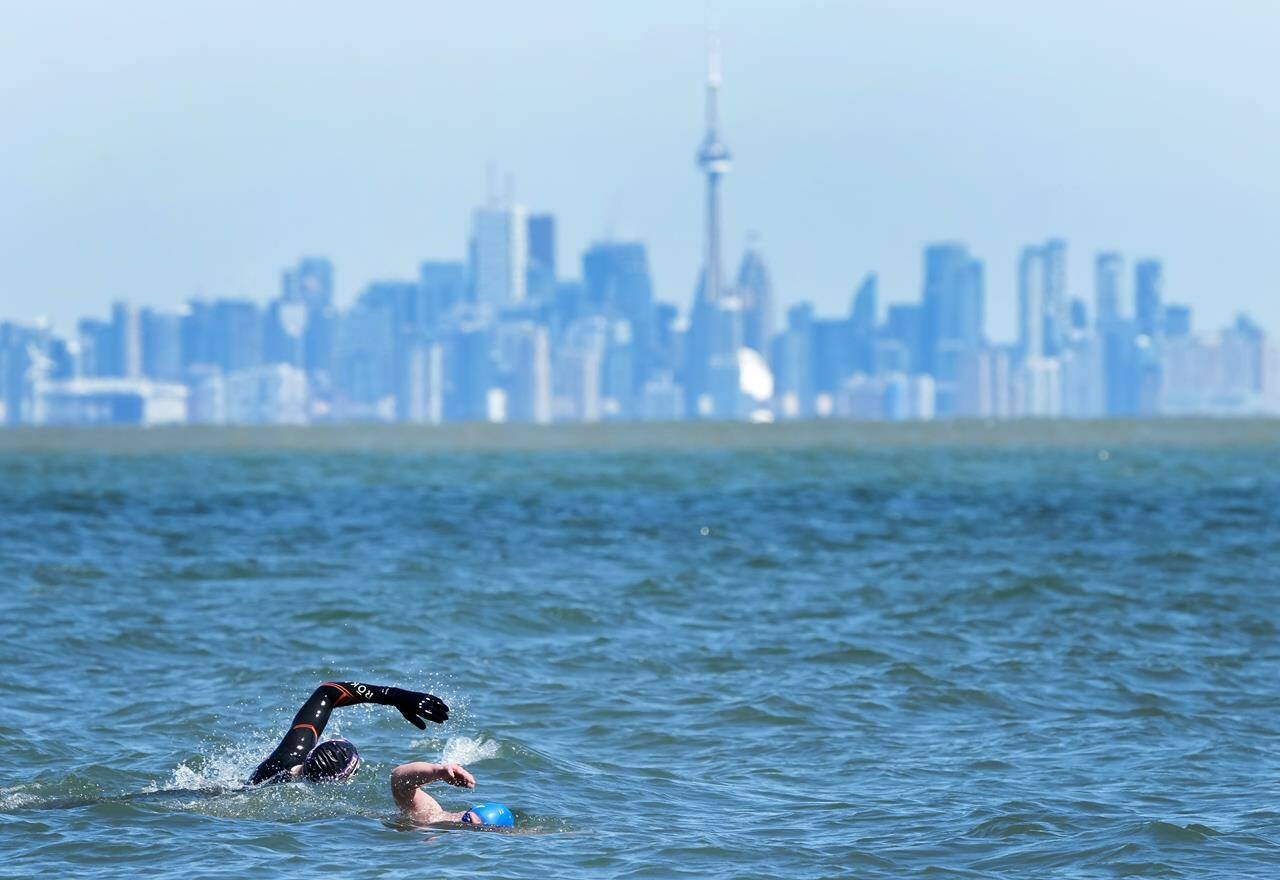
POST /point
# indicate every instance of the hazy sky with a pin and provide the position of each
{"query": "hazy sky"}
(156, 151)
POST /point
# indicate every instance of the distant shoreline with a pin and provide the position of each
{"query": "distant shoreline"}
(641, 436)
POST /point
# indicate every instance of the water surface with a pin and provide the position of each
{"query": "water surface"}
(935, 662)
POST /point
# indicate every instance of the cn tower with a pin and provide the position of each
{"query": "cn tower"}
(713, 159)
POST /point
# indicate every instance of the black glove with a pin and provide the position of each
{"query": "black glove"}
(418, 708)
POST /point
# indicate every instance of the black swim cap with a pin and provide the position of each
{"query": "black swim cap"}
(333, 760)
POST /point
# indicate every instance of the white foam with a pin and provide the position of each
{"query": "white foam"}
(464, 750)
(221, 770)
(17, 797)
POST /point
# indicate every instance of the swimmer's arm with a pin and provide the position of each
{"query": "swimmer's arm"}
(304, 732)
(406, 788)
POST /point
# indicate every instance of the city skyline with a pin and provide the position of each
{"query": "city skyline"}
(147, 204)
(501, 334)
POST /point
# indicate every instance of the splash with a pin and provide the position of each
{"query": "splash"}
(18, 796)
(465, 750)
(221, 770)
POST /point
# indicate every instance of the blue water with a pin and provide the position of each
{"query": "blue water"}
(929, 663)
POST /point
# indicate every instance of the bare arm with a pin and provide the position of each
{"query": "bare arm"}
(406, 787)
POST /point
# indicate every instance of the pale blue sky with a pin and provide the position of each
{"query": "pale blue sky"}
(154, 151)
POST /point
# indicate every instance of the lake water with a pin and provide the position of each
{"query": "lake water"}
(935, 662)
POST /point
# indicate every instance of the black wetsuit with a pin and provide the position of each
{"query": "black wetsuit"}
(309, 723)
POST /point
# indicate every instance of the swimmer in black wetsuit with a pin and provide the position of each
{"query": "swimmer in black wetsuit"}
(300, 757)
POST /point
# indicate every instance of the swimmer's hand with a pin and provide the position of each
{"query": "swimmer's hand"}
(418, 708)
(457, 776)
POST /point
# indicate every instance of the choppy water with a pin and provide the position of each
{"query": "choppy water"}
(929, 663)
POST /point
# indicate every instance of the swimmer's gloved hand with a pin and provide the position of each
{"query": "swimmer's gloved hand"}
(418, 708)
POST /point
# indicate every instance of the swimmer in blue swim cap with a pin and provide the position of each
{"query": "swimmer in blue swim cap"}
(406, 787)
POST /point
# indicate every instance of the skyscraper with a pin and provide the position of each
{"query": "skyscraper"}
(1057, 308)
(862, 326)
(126, 329)
(161, 332)
(97, 348)
(542, 244)
(1148, 296)
(499, 244)
(1031, 300)
(953, 303)
(540, 276)
(713, 159)
(1044, 309)
(311, 284)
(442, 286)
(616, 275)
(756, 292)
(1108, 276)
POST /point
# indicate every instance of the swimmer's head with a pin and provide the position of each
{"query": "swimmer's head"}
(489, 814)
(334, 760)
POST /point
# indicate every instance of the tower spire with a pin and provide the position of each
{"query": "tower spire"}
(713, 82)
(713, 159)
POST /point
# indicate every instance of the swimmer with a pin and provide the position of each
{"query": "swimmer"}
(301, 755)
(406, 788)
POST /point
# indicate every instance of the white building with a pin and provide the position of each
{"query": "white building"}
(421, 399)
(274, 394)
(110, 401)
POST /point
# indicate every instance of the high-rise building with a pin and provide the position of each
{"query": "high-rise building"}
(468, 371)
(756, 292)
(97, 348)
(1057, 305)
(1044, 308)
(529, 388)
(310, 283)
(500, 249)
(831, 359)
(862, 326)
(1031, 300)
(443, 285)
(792, 362)
(953, 308)
(905, 326)
(618, 286)
(1148, 296)
(421, 397)
(24, 363)
(1177, 321)
(616, 275)
(1079, 315)
(542, 244)
(1120, 366)
(1108, 277)
(235, 328)
(161, 344)
(127, 336)
(283, 333)
(577, 371)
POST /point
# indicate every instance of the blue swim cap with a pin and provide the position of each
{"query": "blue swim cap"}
(494, 814)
